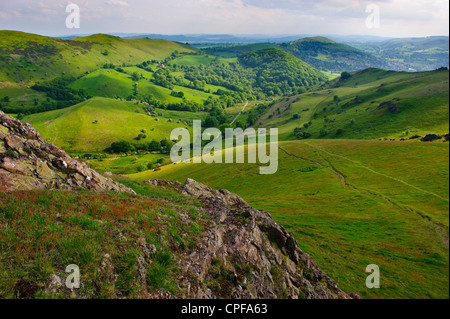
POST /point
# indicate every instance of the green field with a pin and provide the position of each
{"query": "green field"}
(421, 98)
(105, 83)
(47, 58)
(350, 204)
(126, 164)
(74, 130)
(190, 60)
(349, 190)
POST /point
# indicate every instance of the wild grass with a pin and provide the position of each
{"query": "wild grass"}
(350, 204)
(42, 232)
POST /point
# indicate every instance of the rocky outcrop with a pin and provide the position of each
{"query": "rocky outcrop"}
(28, 162)
(263, 259)
(242, 253)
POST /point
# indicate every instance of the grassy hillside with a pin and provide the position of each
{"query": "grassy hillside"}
(328, 55)
(105, 83)
(353, 203)
(321, 53)
(106, 235)
(27, 58)
(74, 129)
(359, 108)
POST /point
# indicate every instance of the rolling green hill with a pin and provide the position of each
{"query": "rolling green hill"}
(348, 193)
(328, 55)
(353, 203)
(75, 128)
(27, 58)
(321, 53)
(276, 71)
(372, 104)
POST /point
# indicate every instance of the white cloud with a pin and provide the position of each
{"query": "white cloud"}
(119, 3)
(398, 17)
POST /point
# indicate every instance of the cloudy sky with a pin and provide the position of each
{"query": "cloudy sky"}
(398, 18)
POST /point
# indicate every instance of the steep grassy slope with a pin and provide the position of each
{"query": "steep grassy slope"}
(360, 107)
(105, 83)
(111, 83)
(353, 203)
(74, 129)
(50, 230)
(29, 58)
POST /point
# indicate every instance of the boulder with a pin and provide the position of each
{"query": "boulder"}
(241, 237)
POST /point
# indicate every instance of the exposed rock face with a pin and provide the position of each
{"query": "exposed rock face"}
(242, 254)
(242, 236)
(28, 162)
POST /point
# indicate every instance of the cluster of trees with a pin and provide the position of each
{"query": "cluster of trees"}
(58, 89)
(301, 134)
(163, 146)
(59, 96)
(185, 105)
(177, 94)
(279, 73)
(257, 75)
(215, 118)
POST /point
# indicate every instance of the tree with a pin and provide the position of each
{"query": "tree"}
(166, 145)
(336, 99)
(135, 76)
(6, 99)
(345, 76)
(154, 146)
(211, 122)
(323, 132)
(296, 116)
(122, 147)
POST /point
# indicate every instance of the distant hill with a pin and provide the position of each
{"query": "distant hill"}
(325, 54)
(411, 54)
(27, 58)
(320, 52)
(274, 67)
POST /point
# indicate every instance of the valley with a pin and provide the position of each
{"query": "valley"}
(363, 147)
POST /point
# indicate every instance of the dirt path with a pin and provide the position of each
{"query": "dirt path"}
(339, 175)
(237, 116)
(342, 178)
(378, 173)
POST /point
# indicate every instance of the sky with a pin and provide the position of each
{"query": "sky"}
(397, 18)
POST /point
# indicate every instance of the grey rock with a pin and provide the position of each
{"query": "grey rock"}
(28, 162)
